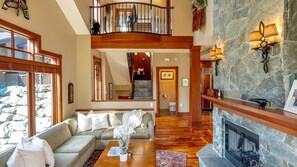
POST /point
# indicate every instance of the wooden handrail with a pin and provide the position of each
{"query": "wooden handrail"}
(275, 118)
(140, 3)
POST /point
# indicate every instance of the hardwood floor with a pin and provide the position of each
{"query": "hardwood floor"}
(174, 134)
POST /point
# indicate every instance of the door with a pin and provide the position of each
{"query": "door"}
(167, 88)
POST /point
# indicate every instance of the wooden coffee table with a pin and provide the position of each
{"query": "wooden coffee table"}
(143, 154)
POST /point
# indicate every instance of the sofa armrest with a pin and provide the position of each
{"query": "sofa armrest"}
(151, 129)
(72, 124)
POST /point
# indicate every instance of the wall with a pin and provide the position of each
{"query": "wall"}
(57, 36)
(84, 9)
(167, 87)
(241, 74)
(204, 36)
(182, 18)
(182, 60)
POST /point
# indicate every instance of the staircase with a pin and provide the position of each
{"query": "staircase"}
(143, 90)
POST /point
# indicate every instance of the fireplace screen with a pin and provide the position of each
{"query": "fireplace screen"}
(241, 146)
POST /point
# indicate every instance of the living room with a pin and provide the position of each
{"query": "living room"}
(57, 27)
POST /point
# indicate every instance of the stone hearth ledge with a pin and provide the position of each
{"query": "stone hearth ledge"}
(208, 157)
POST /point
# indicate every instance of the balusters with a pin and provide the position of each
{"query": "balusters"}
(117, 17)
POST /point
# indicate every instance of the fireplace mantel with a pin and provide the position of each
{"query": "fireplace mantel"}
(275, 118)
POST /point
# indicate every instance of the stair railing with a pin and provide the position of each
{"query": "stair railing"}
(130, 17)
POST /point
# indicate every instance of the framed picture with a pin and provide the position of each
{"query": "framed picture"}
(185, 82)
(291, 103)
(70, 93)
(167, 75)
(110, 91)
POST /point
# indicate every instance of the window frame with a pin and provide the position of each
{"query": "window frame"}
(31, 66)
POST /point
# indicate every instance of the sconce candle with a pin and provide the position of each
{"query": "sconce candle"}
(264, 40)
(216, 56)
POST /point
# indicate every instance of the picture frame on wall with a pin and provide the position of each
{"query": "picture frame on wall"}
(167, 75)
(291, 103)
(110, 85)
(185, 82)
(70, 93)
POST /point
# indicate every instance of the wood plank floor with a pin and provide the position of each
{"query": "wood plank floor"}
(174, 134)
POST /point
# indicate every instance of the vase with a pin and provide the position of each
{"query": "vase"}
(123, 157)
(123, 145)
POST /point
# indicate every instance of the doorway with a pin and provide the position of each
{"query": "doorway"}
(98, 78)
(167, 91)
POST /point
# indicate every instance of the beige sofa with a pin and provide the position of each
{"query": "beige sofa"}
(72, 149)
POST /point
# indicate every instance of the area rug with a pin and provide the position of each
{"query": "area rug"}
(93, 158)
(164, 158)
(171, 159)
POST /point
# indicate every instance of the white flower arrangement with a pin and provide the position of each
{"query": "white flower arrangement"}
(123, 134)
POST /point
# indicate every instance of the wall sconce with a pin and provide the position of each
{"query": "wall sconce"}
(216, 56)
(263, 40)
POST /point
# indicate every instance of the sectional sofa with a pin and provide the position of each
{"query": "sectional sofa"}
(72, 149)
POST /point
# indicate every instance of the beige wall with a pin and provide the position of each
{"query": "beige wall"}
(182, 18)
(182, 60)
(167, 90)
(84, 9)
(204, 37)
(57, 36)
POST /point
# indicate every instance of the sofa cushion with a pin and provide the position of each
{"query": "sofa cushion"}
(76, 144)
(115, 119)
(107, 134)
(56, 135)
(66, 159)
(72, 124)
(96, 133)
(141, 133)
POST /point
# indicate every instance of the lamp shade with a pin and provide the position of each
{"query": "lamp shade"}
(255, 36)
(270, 30)
(219, 51)
(212, 53)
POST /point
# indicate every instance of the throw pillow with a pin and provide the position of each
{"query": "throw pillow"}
(47, 150)
(84, 122)
(33, 158)
(16, 160)
(26, 154)
(99, 121)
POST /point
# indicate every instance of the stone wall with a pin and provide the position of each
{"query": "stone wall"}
(241, 74)
(277, 149)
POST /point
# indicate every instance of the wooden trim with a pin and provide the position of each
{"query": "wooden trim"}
(169, 19)
(137, 42)
(195, 80)
(182, 114)
(158, 69)
(31, 104)
(277, 119)
(113, 109)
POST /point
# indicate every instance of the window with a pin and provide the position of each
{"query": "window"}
(30, 82)
(13, 108)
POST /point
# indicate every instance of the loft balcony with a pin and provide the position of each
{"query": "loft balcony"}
(130, 17)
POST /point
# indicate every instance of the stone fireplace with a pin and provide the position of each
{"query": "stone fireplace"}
(241, 146)
(241, 142)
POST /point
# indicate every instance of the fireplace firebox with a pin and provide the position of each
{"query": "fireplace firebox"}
(241, 146)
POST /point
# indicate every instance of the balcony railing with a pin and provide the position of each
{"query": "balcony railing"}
(130, 17)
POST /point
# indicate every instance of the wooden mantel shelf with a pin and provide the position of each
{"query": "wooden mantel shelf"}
(278, 119)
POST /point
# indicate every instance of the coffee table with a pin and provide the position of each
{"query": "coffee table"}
(143, 154)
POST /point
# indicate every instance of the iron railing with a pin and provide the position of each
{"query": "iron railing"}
(130, 17)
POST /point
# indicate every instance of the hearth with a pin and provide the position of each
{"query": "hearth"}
(241, 146)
